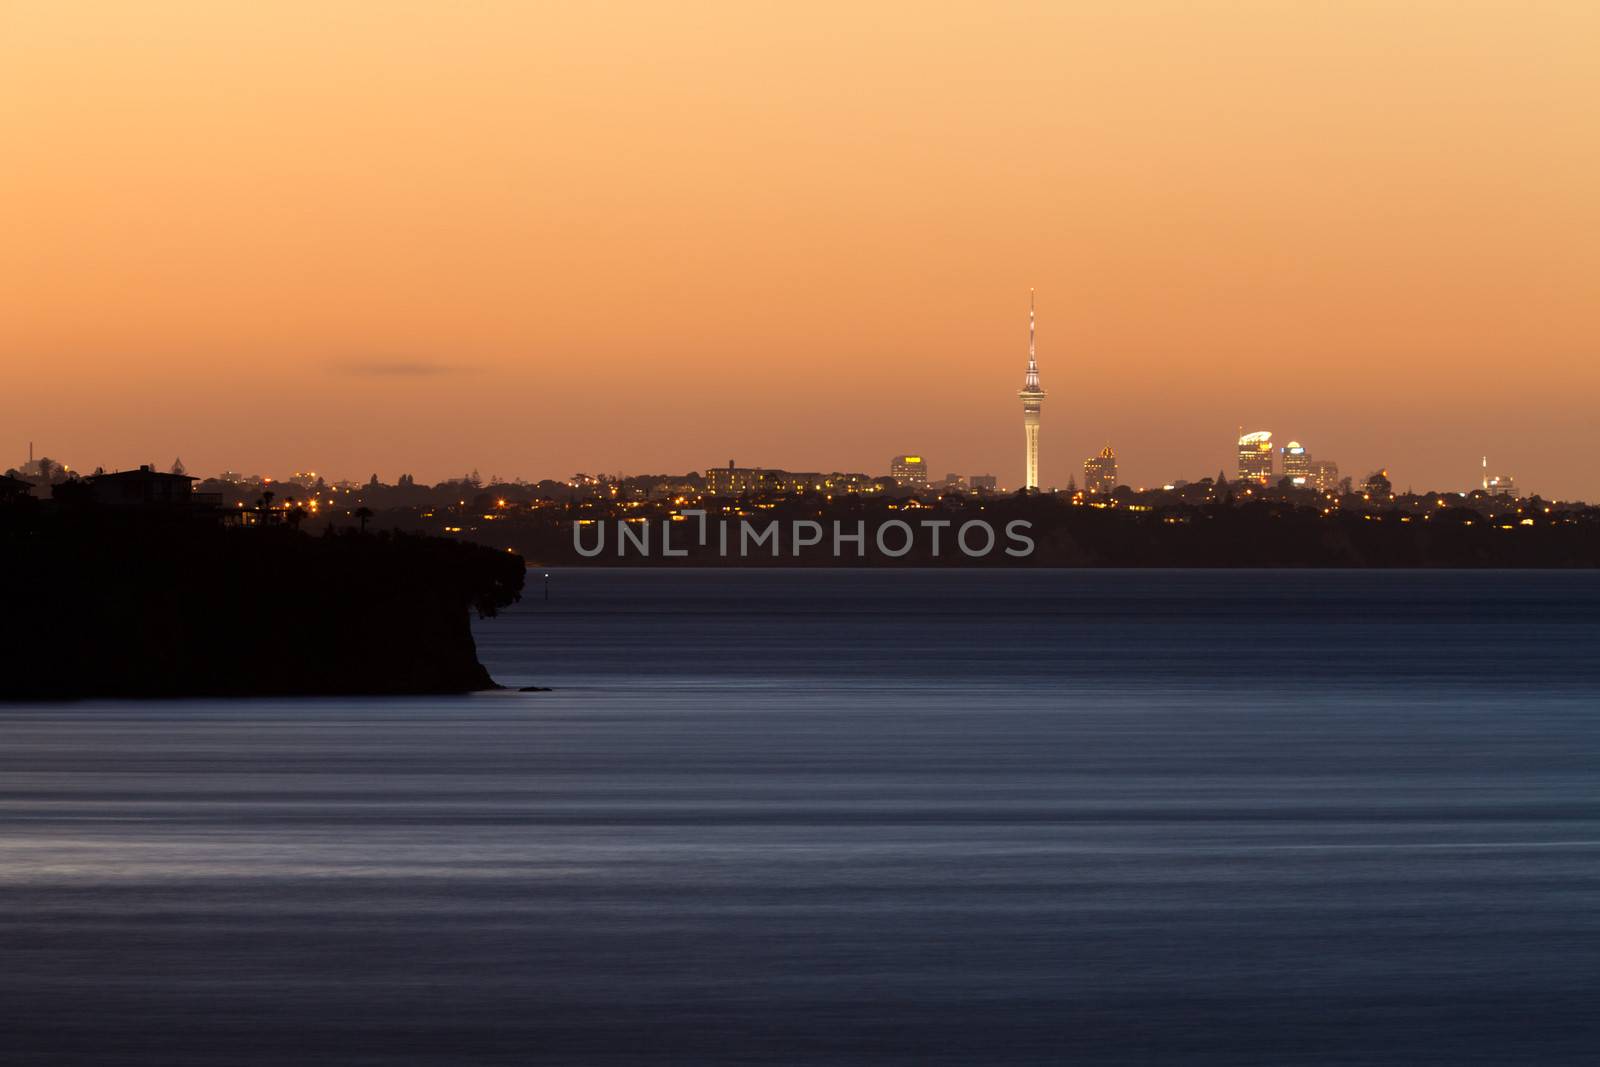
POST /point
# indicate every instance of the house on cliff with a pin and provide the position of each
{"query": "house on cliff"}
(144, 488)
(13, 490)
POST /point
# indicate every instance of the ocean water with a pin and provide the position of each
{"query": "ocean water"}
(886, 817)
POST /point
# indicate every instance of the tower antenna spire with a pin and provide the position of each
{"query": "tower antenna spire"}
(1030, 381)
(1032, 352)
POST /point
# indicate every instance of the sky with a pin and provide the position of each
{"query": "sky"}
(534, 239)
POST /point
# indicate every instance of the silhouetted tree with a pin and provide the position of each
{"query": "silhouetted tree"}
(363, 514)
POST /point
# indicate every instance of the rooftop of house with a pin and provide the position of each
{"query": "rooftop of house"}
(144, 473)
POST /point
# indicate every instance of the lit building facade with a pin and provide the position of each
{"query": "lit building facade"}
(1032, 399)
(737, 481)
(732, 481)
(1499, 484)
(909, 471)
(1100, 472)
(1324, 475)
(1255, 457)
(792, 481)
(840, 482)
(983, 483)
(1296, 463)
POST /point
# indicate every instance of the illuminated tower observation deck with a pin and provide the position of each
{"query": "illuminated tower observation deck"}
(1032, 398)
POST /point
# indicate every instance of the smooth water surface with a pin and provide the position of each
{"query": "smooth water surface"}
(849, 817)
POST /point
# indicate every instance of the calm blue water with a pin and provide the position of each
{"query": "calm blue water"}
(849, 817)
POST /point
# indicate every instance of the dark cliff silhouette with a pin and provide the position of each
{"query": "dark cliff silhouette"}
(108, 603)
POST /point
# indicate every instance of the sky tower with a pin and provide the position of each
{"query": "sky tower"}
(1031, 396)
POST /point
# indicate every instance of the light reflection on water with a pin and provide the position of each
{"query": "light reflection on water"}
(870, 817)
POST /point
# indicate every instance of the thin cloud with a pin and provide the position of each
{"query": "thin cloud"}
(400, 368)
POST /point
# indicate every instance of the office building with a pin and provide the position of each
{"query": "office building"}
(1501, 485)
(1296, 464)
(909, 471)
(733, 481)
(1255, 457)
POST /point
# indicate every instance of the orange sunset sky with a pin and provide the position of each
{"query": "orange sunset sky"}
(537, 238)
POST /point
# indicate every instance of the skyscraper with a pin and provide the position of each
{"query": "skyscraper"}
(1296, 463)
(1032, 396)
(1100, 472)
(1255, 457)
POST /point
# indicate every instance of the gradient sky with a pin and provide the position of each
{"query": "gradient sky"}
(537, 239)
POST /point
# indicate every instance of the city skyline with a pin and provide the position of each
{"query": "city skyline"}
(1257, 460)
(430, 240)
(1265, 465)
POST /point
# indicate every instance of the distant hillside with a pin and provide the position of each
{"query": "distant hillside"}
(1127, 533)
